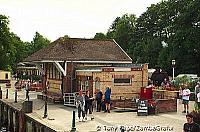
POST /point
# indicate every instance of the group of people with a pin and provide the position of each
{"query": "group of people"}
(190, 125)
(185, 93)
(166, 83)
(103, 103)
(85, 103)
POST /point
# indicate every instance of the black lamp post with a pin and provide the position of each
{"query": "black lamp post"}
(45, 103)
(7, 93)
(45, 108)
(173, 65)
(15, 95)
(0, 93)
(73, 123)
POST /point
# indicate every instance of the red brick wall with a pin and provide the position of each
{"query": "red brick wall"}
(123, 103)
(67, 84)
(44, 79)
(67, 80)
(166, 105)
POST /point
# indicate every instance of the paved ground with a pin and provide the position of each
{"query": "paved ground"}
(60, 118)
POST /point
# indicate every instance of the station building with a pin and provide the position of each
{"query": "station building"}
(72, 64)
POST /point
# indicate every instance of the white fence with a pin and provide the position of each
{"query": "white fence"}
(70, 99)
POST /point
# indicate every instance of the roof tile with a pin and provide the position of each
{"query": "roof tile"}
(73, 49)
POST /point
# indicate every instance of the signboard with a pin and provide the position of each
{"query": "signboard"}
(108, 69)
(142, 108)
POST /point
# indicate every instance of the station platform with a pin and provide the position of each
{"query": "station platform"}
(60, 117)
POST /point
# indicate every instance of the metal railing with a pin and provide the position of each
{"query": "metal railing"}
(70, 99)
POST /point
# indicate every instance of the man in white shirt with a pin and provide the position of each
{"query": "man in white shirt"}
(197, 90)
(198, 97)
(198, 101)
(186, 98)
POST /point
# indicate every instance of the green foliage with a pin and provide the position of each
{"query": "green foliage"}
(12, 49)
(176, 22)
(100, 36)
(196, 107)
(6, 47)
(180, 81)
(122, 29)
(39, 42)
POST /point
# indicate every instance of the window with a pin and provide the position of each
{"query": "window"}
(122, 80)
(86, 83)
(83, 86)
(6, 76)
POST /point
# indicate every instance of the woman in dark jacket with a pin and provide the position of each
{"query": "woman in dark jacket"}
(99, 96)
(88, 104)
(107, 99)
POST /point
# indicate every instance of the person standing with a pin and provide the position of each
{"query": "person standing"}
(15, 86)
(180, 93)
(88, 105)
(80, 101)
(107, 99)
(198, 100)
(27, 87)
(190, 126)
(99, 96)
(186, 98)
(165, 83)
(197, 90)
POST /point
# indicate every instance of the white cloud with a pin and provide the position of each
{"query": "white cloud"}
(76, 18)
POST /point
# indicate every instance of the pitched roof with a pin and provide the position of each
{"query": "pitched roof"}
(81, 50)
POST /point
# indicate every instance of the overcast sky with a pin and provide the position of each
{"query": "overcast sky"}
(76, 18)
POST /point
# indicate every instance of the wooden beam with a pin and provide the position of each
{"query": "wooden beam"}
(60, 68)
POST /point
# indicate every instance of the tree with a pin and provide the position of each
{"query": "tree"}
(12, 49)
(39, 42)
(6, 48)
(177, 22)
(121, 30)
(100, 36)
(21, 49)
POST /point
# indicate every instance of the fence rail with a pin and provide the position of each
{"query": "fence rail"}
(70, 99)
